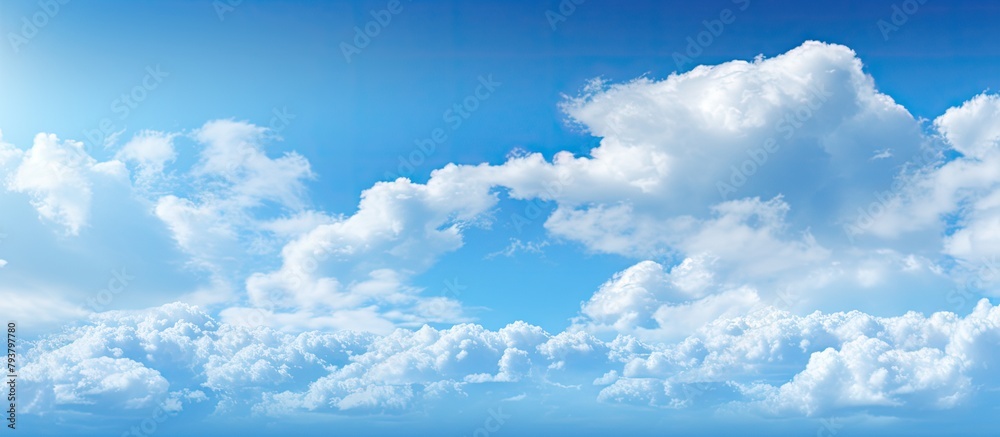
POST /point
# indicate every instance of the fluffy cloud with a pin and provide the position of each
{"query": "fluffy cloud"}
(788, 125)
(151, 151)
(232, 176)
(973, 129)
(234, 154)
(769, 361)
(868, 372)
(835, 363)
(653, 304)
(365, 259)
(59, 176)
(652, 187)
(957, 197)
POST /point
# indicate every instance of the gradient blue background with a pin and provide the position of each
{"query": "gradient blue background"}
(353, 120)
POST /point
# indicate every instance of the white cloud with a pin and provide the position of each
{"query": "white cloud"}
(868, 372)
(828, 363)
(151, 151)
(234, 153)
(653, 304)
(76, 377)
(8, 154)
(59, 177)
(233, 175)
(46, 312)
(957, 197)
(973, 129)
(298, 224)
(979, 239)
(749, 235)
(366, 259)
(638, 391)
(516, 245)
(779, 363)
(667, 145)
(206, 231)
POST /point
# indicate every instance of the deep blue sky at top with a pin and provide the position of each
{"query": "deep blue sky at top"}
(353, 120)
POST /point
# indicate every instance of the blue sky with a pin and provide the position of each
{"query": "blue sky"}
(243, 195)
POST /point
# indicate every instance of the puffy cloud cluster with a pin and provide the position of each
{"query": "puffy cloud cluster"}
(793, 125)
(825, 364)
(132, 360)
(778, 133)
(769, 361)
(654, 304)
(365, 260)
